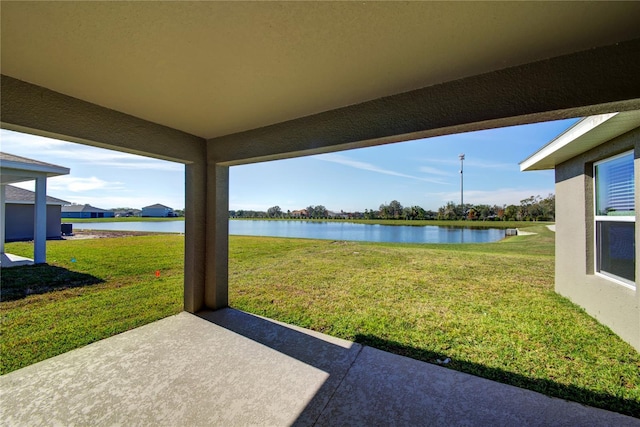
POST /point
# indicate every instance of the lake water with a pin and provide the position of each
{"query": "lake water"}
(322, 230)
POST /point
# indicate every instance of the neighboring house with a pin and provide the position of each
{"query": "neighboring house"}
(158, 210)
(126, 212)
(85, 211)
(302, 213)
(597, 162)
(20, 214)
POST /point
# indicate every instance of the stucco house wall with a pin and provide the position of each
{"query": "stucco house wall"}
(20, 218)
(613, 304)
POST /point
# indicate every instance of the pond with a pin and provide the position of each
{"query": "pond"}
(323, 230)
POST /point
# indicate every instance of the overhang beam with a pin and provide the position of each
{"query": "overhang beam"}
(39, 111)
(591, 82)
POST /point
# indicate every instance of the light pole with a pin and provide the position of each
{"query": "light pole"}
(461, 156)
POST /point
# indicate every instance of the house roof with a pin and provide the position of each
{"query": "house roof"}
(216, 68)
(581, 137)
(21, 196)
(82, 208)
(157, 206)
(19, 169)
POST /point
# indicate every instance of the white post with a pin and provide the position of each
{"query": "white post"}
(40, 222)
(2, 217)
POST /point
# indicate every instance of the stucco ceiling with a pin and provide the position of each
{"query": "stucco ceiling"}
(216, 68)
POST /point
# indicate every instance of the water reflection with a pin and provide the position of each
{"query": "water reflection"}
(324, 230)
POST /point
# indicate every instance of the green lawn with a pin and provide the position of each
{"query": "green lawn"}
(90, 290)
(490, 308)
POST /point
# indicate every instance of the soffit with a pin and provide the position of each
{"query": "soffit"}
(216, 68)
(582, 137)
(19, 169)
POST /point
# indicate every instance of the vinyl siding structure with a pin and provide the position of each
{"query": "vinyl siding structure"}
(14, 169)
(19, 211)
(597, 167)
(157, 210)
(85, 211)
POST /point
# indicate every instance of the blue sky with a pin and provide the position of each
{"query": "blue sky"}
(423, 172)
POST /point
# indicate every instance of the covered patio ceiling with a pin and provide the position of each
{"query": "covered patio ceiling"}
(217, 68)
(216, 84)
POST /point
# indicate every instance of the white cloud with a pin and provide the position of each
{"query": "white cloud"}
(356, 164)
(15, 141)
(473, 163)
(29, 145)
(435, 171)
(79, 185)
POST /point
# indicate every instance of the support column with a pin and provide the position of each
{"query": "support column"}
(206, 237)
(40, 222)
(2, 217)
(195, 235)
(217, 259)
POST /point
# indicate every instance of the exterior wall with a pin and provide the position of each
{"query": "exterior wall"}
(19, 222)
(73, 215)
(157, 212)
(88, 214)
(612, 304)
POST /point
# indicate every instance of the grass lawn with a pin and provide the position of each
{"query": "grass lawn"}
(490, 308)
(91, 289)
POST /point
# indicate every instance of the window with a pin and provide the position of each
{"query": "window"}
(615, 219)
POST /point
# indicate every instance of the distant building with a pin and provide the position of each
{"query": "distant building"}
(158, 210)
(85, 211)
(124, 213)
(302, 213)
(19, 213)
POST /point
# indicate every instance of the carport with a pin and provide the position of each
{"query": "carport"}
(15, 169)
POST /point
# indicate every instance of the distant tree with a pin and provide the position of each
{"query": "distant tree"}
(511, 213)
(384, 211)
(317, 211)
(548, 207)
(395, 209)
(320, 212)
(450, 211)
(274, 212)
(310, 211)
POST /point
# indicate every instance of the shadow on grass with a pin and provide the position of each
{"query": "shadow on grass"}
(544, 386)
(20, 282)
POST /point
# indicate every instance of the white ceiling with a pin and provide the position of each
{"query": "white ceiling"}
(216, 68)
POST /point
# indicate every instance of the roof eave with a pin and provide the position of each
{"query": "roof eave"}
(581, 137)
(49, 170)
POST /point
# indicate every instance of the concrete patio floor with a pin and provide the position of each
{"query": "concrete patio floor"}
(232, 368)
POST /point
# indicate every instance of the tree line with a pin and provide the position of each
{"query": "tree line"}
(533, 208)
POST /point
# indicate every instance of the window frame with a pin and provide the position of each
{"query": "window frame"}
(610, 218)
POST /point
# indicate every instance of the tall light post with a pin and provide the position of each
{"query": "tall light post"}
(461, 156)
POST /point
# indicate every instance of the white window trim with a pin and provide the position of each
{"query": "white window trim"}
(600, 218)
